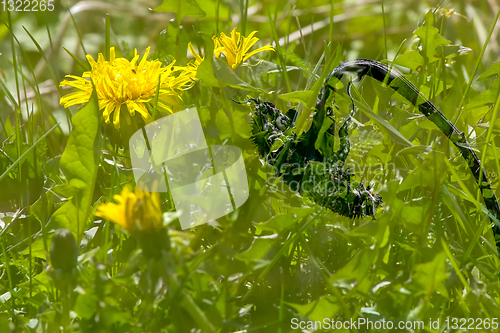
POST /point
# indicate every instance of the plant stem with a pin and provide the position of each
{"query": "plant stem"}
(462, 101)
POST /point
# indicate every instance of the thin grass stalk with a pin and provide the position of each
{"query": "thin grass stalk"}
(455, 266)
(377, 99)
(49, 66)
(488, 139)
(108, 37)
(244, 15)
(17, 111)
(9, 277)
(282, 303)
(330, 28)
(25, 154)
(35, 87)
(155, 100)
(78, 31)
(384, 25)
(465, 190)
(278, 51)
(83, 65)
(31, 135)
(50, 37)
(14, 61)
(51, 71)
(217, 8)
(478, 62)
(289, 241)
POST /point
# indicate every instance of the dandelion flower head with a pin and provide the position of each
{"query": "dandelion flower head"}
(120, 82)
(135, 211)
(236, 48)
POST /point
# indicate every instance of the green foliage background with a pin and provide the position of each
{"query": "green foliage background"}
(429, 253)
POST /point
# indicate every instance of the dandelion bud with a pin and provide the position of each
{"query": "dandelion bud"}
(64, 250)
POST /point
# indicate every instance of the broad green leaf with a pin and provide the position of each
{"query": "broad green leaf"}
(414, 215)
(227, 77)
(232, 124)
(486, 97)
(357, 269)
(79, 163)
(431, 39)
(181, 8)
(256, 70)
(425, 123)
(430, 92)
(414, 150)
(298, 62)
(41, 281)
(214, 7)
(385, 237)
(277, 145)
(277, 223)
(173, 42)
(10, 131)
(223, 124)
(205, 70)
(473, 116)
(430, 277)
(411, 59)
(325, 141)
(302, 96)
(85, 305)
(495, 124)
(258, 250)
(205, 74)
(325, 307)
(367, 229)
(493, 70)
(262, 67)
(43, 206)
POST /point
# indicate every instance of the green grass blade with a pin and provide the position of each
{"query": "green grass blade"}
(17, 111)
(84, 65)
(25, 154)
(49, 66)
(77, 32)
(9, 96)
(108, 37)
(278, 51)
(385, 33)
(478, 62)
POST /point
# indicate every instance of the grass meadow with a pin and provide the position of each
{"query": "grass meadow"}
(85, 248)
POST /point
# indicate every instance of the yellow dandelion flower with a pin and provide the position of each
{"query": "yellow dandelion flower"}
(192, 67)
(120, 82)
(135, 211)
(236, 48)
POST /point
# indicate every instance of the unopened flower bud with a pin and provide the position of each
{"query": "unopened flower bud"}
(64, 250)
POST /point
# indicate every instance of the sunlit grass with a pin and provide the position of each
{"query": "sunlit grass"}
(428, 254)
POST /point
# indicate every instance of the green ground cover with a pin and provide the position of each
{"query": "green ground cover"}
(281, 261)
